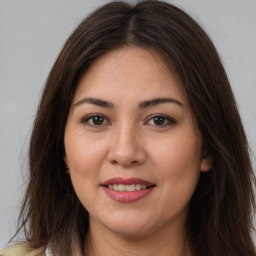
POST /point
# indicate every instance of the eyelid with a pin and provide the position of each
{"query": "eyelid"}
(171, 120)
(88, 117)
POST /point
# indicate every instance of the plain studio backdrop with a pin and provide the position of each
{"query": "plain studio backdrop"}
(32, 34)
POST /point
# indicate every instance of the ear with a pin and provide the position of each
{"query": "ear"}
(65, 160)
(206, 162)
(66, 163)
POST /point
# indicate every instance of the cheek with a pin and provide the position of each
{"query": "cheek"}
(179, 170)
(180, 157)
(85, 161)
(83, 154)
(84, 158)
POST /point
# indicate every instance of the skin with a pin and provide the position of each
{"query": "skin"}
(129, 142)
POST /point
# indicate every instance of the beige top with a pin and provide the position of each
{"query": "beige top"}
(22, 249)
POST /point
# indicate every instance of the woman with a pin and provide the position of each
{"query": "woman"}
(137, 146)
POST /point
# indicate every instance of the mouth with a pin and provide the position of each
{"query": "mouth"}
(127, 190)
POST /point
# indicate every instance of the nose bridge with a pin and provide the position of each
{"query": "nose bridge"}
(125, 137)
(126, 147)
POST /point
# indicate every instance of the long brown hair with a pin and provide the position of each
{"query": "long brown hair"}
(221, 210)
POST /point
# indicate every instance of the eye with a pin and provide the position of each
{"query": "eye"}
(161, 120)
(95, 120)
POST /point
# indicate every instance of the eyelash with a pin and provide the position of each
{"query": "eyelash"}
(161, 116)
(90, 117)
(102, 117)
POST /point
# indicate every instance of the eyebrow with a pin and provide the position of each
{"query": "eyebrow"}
(95, 101)
(143, 104)
(153, 102)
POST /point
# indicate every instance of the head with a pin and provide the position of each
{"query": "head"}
(223, 193)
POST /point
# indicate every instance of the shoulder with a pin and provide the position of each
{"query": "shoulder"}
(13, 250)
(21, 249)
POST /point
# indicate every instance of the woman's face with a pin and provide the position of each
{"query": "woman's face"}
(132, 145)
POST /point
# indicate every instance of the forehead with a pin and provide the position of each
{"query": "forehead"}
(130, 71)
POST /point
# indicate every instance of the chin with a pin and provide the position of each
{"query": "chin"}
(130, 231)
(129, 226)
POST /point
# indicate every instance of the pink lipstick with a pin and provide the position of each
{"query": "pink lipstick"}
(127, 190)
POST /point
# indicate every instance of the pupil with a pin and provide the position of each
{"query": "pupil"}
(97, 120)
(159, 120)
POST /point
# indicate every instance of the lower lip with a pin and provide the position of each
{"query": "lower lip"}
(127, 197)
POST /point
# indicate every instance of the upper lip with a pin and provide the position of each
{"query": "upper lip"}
(127, 181)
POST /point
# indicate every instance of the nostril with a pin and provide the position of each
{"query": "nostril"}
(114, 162)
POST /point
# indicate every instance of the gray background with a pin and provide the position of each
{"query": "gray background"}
(33, 32)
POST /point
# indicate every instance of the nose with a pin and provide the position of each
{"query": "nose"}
(127, 149)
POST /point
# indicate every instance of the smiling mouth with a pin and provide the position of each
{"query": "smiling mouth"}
(128, 188)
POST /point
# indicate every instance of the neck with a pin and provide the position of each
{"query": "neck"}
(168, 241)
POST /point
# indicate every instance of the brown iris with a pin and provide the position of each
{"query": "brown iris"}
(159, 120)
(98, 120)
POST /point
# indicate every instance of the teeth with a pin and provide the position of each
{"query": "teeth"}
(130, 188)
(138, 187)
(121, 187)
